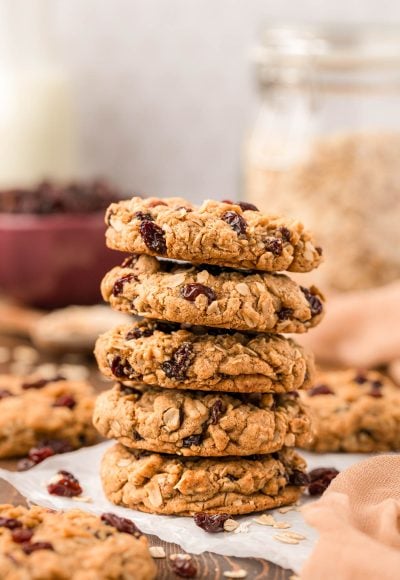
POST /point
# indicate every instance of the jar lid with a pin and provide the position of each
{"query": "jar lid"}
(329, 46)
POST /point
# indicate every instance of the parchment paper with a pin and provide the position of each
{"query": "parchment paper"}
(257, 542)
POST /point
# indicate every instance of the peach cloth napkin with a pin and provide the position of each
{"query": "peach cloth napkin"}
(360, 328)
(358, 519)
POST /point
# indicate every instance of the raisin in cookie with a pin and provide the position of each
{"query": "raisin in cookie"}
(193, 423)
(355, 412)
(229, 234)
(157, 353)
(40, 544)
(34, 409)
(212, 296)
(165, 484)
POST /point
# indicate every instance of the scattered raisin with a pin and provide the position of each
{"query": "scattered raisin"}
(285, 313)
(375, 392)
(192, 440)
(120, 283)
(66, 486)
(39, 454)
(24, 464)
(320, 390)
(29, 547)
(21, 535)
(121, 524)
(320, 479)
(236, 222)
(247, 206)
(314, 302)
(153, 236)
(242, 204)
(191, 291)
(177, 366)
(10, 523)
(183, 565)
(121, 369)
(57, 445)
(285, 233)
(217, 410)
(141, 215)
(274, 245)
(4, 393)
(360, 379)
(377, 384)
(211, 523)
(44, 449)
(136, 333)
(40, 383)
(318, 249)
(298, 478)
(65, 401)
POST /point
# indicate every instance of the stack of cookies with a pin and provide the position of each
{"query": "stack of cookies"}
(205, 409)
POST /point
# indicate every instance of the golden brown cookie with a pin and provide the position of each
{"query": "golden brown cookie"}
(157, 353)
(41, 544)
(229, 234)
(165, 484)
(353, 411)
(34, 409)
(193, 423)
(212, 296)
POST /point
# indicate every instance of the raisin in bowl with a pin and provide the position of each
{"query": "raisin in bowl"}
(52, 250)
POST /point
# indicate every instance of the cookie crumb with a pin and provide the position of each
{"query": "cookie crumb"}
(285, 539)
(83, 499)
(286, 509)
(242, 528)
(295, 535)
(265, 520)
(282, 525)
(230, 525)
(157, 551)
(241, 573)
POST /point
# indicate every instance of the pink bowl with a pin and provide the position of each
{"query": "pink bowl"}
(54, 260)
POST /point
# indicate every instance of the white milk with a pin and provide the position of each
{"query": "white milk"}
(37, 122)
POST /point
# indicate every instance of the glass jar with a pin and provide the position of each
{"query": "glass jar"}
(325, 148)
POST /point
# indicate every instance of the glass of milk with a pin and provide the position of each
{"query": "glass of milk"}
(38, 135)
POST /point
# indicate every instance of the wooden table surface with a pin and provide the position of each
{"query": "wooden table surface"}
(210, 566)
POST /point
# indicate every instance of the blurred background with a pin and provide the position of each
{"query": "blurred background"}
(291, 105)
(164, 91)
